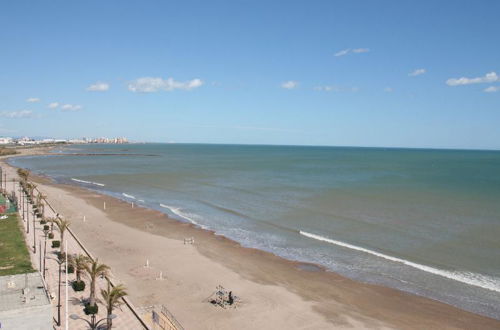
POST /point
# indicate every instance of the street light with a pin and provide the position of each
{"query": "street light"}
(60, 262)
(45, 231)
(92, 323)
(34, 234)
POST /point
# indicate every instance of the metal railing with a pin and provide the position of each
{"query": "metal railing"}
(173, 323)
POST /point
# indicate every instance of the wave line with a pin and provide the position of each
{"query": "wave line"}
(470, 278)
(177, 211)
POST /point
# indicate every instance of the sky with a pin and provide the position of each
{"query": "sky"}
(340, 73)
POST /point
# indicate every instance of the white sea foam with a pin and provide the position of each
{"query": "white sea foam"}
(89, 182)
(475, 279)
(128, 196)
(82, 181)
(177, 211)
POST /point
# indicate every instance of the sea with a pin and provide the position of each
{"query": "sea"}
(419, 220)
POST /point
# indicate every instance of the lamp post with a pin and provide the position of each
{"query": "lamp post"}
(34, 233)
(45, 231)
(92, 323)
(27, 216)
(40, 255)
(59, 262)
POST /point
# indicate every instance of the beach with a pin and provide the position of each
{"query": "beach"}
(274, 293)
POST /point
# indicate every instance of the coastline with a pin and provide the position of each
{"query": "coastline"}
(285, 292)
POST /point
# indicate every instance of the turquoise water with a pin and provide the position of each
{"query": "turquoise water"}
(423, 221)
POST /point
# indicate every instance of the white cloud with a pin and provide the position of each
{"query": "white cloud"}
(17, 114)
(70, 107)
(290, 84)
(32, 100)
(492, 89)
(53, 105)
(388, 89)
(342, 52)
(417, 72)
(336, 89)
(487, 78)
(150, 84)
(98, 87)
(354, 51)
(360, 50)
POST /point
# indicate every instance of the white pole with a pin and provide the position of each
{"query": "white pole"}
(104, 205)
(83, 218)
(66, 300)
(132, 204)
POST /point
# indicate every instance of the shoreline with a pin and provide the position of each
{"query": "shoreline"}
(323, 297)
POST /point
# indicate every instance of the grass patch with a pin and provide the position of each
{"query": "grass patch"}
(14, 255)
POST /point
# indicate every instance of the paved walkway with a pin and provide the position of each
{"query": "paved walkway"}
(125, 318)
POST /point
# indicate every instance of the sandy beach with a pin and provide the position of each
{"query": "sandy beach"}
(275, 293)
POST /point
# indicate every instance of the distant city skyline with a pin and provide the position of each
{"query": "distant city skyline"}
(339, 73)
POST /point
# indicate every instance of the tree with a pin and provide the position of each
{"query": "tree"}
(112, 298)
(62, 225)
(31, 189)
(39, 203)
(23, 174)
(93, 270)
(52, 222)
(79, 262)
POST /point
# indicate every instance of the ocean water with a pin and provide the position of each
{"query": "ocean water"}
(423, 221)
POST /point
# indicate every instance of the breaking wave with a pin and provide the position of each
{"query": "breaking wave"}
(475, 279)
(89, 182)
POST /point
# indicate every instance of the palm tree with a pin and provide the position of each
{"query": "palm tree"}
(93, 270)
(31, 189)
(23, 174)
(62, 225)
(39, 202)
(52, 221)
(79, 262)
(112, 298)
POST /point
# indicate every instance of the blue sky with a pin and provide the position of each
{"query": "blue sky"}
(357, 73)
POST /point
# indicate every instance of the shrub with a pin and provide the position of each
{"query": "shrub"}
(42, 222)
(71, 269)
(51, 236)
(55, 244)
(61, 255)
(91, 309)
(46, 227)
(78, 286)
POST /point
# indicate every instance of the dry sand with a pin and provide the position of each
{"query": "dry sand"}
(275, 293)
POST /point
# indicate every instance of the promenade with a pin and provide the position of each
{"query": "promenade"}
(43, 255)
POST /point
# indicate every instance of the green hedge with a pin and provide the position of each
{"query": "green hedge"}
(78, 286)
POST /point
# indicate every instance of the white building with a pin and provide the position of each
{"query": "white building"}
(6, 140)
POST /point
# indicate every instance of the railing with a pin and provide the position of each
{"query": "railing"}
(173, 323)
